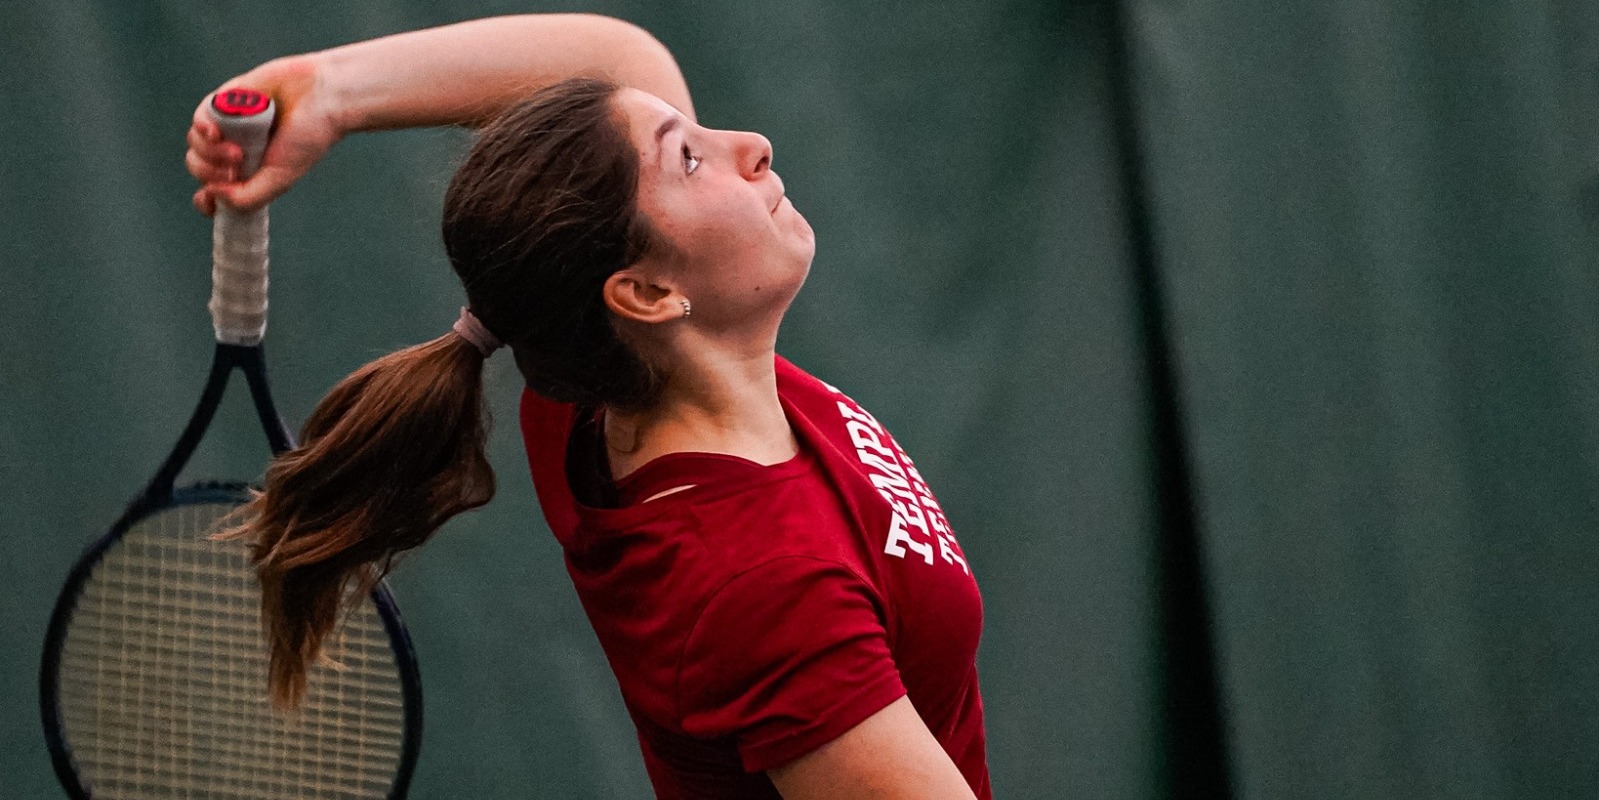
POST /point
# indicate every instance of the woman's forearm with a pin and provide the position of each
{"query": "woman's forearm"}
(460, 74)
(467, 72)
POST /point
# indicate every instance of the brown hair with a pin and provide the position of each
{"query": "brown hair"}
(542, 211)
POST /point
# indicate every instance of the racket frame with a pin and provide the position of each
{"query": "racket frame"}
(160, 495)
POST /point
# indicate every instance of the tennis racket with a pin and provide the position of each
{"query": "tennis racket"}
(153, 682)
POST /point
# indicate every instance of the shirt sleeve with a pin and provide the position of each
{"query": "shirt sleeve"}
(785, 658)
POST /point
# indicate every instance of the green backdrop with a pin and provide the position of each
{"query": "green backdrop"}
(1251, 347)
(1379, 229)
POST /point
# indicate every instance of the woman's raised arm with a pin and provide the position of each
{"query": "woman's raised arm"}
(451, 75)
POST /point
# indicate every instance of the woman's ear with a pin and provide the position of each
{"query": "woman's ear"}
(630, 294)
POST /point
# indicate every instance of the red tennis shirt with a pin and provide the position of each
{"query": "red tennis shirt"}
(768, 609)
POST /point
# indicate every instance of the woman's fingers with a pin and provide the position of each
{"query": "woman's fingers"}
(211, 161)
(205, 202)
(210, 145)
(206, 171)
(263, 187)
(216, 164)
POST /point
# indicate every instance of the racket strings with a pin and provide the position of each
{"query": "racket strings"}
(163, 680)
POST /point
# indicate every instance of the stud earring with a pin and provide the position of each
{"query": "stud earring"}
(687, 309)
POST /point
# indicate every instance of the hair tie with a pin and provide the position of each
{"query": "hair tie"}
(470, 328)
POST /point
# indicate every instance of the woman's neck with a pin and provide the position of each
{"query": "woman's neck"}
(710, 405)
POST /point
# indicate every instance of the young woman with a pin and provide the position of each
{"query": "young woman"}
(782, 601)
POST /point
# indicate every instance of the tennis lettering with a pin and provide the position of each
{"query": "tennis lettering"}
(918, 524)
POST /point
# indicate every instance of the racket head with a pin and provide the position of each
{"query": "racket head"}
(153, 680)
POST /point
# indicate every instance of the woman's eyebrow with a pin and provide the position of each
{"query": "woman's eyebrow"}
(660, 133)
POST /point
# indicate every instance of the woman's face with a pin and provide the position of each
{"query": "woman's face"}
(737, 248)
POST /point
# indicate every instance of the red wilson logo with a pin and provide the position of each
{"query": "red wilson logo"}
(240, 102)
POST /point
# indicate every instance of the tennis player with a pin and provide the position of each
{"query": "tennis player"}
(783, 603)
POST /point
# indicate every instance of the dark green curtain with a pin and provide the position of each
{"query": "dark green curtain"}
(1376, 226)
(1236, 339)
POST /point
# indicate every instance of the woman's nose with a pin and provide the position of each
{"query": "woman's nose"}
(754, 154)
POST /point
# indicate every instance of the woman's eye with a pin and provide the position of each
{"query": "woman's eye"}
(691, 162)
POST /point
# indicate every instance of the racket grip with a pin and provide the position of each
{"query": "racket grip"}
(238, 238)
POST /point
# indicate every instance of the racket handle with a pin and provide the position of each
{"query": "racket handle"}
(239, 239)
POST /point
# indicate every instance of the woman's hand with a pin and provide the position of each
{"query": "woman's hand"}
(307, 126)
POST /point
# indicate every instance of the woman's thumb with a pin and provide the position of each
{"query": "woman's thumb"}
(263, 187)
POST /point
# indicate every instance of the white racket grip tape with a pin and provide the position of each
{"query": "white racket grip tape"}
(238, 238)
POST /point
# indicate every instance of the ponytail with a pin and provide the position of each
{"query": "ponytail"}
(390, 454)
